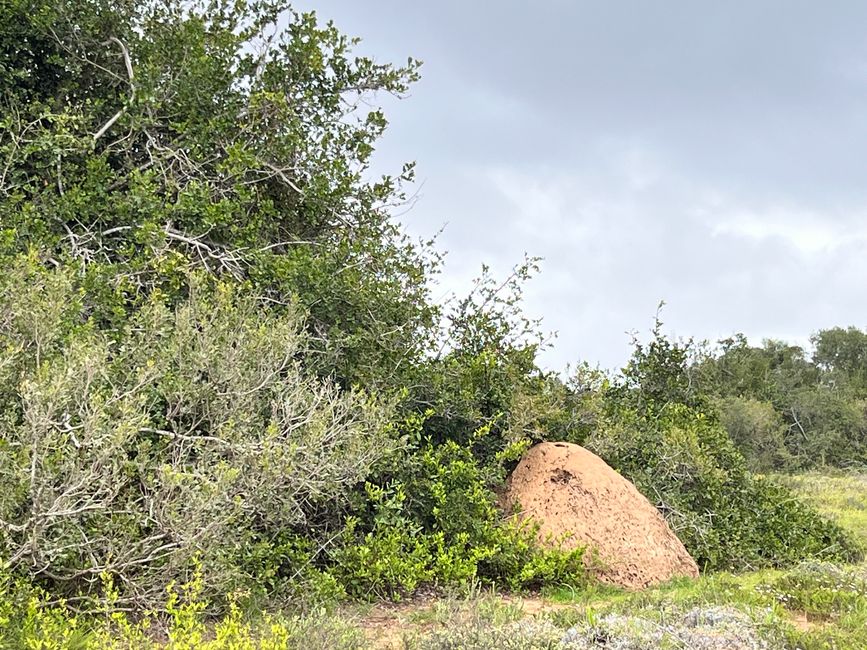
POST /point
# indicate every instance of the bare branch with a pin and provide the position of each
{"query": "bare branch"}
(128, 62)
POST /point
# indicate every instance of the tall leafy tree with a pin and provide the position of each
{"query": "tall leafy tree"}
(843, 353)
(142, 139)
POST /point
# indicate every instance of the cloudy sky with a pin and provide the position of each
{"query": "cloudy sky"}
(709, 154)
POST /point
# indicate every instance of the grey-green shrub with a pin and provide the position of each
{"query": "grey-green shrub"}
(757, 430)
(130, 453)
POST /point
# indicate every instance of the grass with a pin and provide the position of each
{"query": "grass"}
(842, 496)
(814, 605)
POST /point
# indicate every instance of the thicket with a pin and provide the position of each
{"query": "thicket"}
(670, 440)
(788, 408)
(218, 349)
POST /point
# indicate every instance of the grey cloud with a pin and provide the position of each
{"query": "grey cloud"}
(709, 154)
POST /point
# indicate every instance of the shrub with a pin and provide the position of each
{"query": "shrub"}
(666, 437)
(828, 427)
(822, 589)
(438, 522)
(187, 433)
(30, 619)
(757, 430)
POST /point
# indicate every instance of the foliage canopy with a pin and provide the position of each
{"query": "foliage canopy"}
(218, 348)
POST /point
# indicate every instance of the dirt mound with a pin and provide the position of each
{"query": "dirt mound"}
(570, 490)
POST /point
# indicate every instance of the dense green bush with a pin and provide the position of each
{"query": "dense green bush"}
(666, 437)
(821, 400)
(437, 522)
(829, 427)
(758, 431)
(684, 462)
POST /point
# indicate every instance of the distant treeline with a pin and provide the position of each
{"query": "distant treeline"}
(787, 408)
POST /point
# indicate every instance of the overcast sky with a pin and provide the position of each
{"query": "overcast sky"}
(709, 154)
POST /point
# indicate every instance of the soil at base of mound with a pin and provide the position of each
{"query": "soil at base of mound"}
(579, 500)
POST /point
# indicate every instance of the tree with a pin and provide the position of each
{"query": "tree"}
(770, 372)
(843, 353)
(140, 140)
(819, 399)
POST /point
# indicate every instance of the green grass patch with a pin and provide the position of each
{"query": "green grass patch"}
(841, 496)
(810, 606)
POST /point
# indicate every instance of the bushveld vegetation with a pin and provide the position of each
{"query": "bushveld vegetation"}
(788, 408)
(811, 606)
(223, 381)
